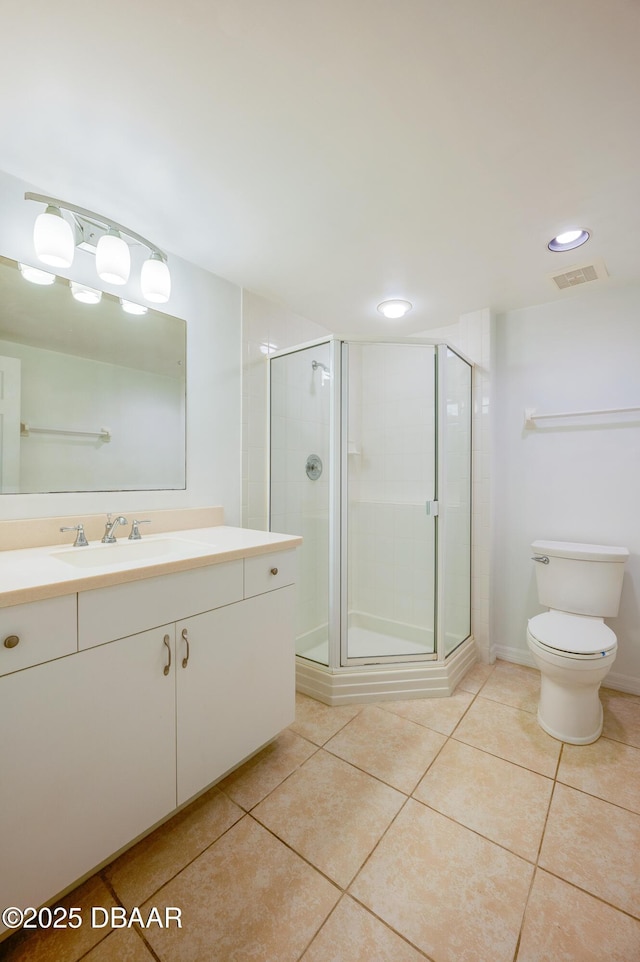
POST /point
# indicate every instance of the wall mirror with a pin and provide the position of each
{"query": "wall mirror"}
(91, 398)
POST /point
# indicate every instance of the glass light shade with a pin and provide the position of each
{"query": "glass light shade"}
(53, 238)
(84, 294)
(155, 280)
(113, 259)
(131, 308)
(35, 275)
(394, 308)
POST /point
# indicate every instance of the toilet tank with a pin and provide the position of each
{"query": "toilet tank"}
(582, 578)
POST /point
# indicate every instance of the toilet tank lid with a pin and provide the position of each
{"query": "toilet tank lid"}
(582, 552)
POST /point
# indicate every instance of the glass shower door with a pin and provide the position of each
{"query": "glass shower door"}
(389, 550)
(301, 437)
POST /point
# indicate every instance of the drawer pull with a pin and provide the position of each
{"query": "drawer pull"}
(185, 638)
(167, 667)
(274, 571)
(11, 641)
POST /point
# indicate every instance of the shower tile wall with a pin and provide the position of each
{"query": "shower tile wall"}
(391, 468)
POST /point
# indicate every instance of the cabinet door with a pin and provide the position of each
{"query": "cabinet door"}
(237, 690)
(87, 762)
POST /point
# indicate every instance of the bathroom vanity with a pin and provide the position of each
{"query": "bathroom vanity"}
(127, 687)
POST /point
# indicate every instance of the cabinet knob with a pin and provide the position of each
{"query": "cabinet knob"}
(274, 571)
(11, 641)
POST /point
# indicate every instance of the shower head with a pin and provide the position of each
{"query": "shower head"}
(318, 364)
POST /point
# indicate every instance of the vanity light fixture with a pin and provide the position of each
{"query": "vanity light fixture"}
(131, 308)
(35, 275)
(55, 239)
(569, 239)
(84, 294)
(395, 308)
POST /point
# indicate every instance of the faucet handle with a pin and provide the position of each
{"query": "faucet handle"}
(81, 540)
(135, 534)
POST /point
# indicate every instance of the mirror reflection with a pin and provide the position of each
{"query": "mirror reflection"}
(91, 398)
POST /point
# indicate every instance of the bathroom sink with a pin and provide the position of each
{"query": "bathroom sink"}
(124, 552)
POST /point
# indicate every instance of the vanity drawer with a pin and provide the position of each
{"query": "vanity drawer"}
(45, 630)
(266, 572)
(105, 614)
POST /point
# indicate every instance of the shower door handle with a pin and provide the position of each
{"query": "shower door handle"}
(433, 508)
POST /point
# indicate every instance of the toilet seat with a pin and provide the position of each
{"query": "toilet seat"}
(577, 636)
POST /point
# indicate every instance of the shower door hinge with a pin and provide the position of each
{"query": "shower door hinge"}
(433, 508)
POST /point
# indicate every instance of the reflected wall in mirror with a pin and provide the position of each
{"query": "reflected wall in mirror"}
(91, 398)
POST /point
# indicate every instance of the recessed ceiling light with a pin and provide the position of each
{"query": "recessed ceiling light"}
(394, 308)
(568, 239)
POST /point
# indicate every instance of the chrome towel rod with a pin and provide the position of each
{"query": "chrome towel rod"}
(26, 429)
(530, 416)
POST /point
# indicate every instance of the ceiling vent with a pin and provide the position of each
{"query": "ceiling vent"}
(579, 274)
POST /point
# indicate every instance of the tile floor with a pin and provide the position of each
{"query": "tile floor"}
(452, 830)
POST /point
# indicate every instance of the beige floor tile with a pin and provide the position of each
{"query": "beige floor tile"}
(392, 748)
(562, 924)
(248, 897)
(125, 945)
(440, 714)
(514, 685)
(621, 716)
(504, 802)
(476, 677)
(62, 945)
(595, 846)
(250, 783)
(351, 934)
(331, 813)
(319, 722)
(456, 896)
(606, 768)
(143, 869)
(510, 733)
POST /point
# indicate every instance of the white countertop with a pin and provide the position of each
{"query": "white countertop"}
(31, 574)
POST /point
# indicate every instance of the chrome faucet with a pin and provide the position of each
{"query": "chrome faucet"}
(135, 531)
(81, 540)
(109, 537)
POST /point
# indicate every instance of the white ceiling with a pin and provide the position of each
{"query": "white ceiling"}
(332, 153)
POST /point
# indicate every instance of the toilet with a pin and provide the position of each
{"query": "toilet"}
(581, 585)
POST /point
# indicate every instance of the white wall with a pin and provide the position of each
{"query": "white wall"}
(212, 309)
(568, 480)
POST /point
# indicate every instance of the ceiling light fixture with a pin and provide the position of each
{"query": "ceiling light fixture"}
(35, 275)
(394, 308)
(84, 294)
(569, 239)
(55, 239)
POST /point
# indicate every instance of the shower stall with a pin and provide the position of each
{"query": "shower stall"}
(370, 461)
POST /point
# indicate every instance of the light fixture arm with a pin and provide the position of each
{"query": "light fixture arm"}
(91, 215)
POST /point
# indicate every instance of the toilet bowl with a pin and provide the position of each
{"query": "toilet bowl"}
(571, 675)
(572, 647)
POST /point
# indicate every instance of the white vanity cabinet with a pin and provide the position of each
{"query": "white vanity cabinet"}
(166, 684)
(235, 685)
(87, 762)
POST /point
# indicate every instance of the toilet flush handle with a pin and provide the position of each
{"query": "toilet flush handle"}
(542, 558)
